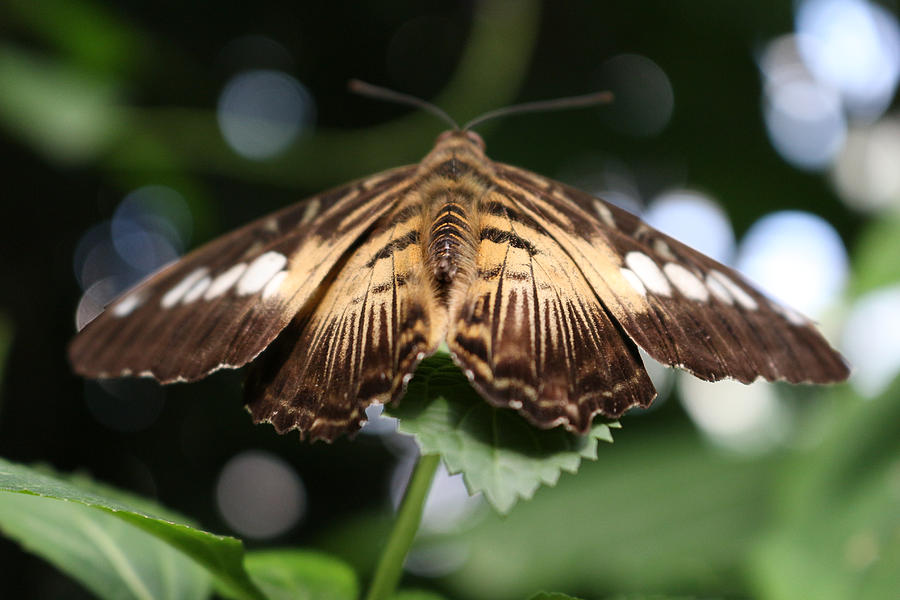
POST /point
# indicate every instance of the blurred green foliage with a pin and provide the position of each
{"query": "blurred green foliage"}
(875, 257)
(287, 574)
(836, 533)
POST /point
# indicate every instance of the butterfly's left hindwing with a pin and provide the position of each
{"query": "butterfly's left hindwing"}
(221, 305)
(532, 335)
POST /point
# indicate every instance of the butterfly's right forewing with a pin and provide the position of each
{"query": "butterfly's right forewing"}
(221, 305)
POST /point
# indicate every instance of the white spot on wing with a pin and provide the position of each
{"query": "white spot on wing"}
(223, 282)
(274, 284)
(649, 273)
(790, 314)
(604, 213)
(260, 272)
(662, 248)
(175, 294)
(196, 290)
(718, 290)
(633, 280)
(686, 282)
(126, 305)
(736, 291)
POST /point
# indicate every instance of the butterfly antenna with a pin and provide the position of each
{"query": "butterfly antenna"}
(379, 93)
(543, 105)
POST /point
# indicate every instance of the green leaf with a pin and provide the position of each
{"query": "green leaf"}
(498, 452)
(104, 553)
(552, 596)
(26, 491)
(838, 532)
(658, 511)
(301, 575)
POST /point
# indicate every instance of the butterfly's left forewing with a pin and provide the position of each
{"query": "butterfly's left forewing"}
(532, 335)
(682, 307)
(221, 305)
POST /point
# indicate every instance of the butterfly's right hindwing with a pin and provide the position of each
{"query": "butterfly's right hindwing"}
(360, 342)
(222, 304)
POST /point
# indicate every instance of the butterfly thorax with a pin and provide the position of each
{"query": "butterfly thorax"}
(455, 176)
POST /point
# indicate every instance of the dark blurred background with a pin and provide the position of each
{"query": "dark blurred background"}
(763, 133)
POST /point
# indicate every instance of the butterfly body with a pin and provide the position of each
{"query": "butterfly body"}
(542, 294)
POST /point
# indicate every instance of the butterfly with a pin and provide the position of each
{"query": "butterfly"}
(542, 294)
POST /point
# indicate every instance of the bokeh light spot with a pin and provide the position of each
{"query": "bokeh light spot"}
(262, 112)
(804, 118)
(448, 505)
(663, 379)
(871, 340)
(866, 173)
(805, 123)
(695, 219)
(644, 100)
(797, 258)
(95, 256)
(743, 418)
(854, 47)
(151, 227)
(260, 495)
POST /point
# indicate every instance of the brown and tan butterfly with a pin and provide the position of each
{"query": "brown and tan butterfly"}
(542, 293)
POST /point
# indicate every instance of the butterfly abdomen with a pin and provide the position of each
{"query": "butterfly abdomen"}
(449, 237)
(451, 240)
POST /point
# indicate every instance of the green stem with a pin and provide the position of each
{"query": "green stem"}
(390, 567)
